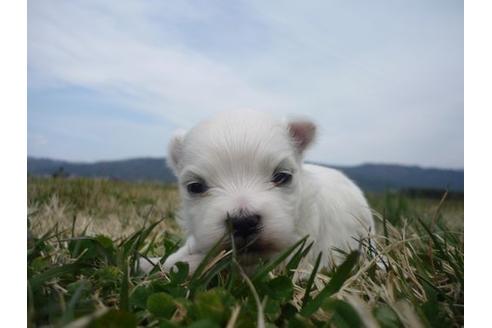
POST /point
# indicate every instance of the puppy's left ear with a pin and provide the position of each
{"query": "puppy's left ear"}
(302, 133)
(175, 151)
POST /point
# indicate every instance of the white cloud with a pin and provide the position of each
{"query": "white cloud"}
(97, 47)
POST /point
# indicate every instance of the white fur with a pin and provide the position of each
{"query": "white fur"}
(236, 154)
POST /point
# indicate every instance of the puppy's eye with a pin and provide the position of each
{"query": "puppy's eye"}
(281, 178)
(196, 188)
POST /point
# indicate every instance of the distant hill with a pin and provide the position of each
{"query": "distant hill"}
(371, 177)
(138, 169)
(379, 177)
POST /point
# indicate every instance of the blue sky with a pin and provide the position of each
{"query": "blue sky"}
(114, 79)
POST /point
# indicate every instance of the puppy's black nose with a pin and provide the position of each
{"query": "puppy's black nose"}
(245, 225)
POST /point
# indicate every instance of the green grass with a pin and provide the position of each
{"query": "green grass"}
(86, 235)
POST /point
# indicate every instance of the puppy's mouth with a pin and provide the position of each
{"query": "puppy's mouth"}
(252, 244)
(248, 244)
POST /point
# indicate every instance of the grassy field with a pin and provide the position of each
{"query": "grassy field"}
(85, 236)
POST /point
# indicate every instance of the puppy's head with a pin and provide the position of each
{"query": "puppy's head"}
(241, 171)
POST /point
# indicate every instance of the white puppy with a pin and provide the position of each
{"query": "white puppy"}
(244, 171)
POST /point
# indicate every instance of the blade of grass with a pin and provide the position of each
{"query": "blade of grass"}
(39, 279)
(310, 282)
(261, 316)
(214, 251)
(124, 304)
(218, 267)
(445, 256)
(69, 314)
(336, 282)
(74, 220)
(297, 258)
(262, 272)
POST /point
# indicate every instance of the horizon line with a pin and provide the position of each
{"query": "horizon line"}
(307, 162)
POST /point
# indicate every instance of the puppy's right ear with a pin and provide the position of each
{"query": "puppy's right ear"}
(175, 151)
(302, 132)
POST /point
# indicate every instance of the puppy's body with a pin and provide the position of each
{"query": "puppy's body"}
(247, 168)
(337, 215)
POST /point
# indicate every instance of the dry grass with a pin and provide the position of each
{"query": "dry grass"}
(96, 206)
